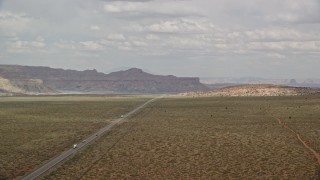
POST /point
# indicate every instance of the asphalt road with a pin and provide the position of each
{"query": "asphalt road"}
(82, 144)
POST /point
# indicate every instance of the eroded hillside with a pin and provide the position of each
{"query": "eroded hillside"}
(257, 90)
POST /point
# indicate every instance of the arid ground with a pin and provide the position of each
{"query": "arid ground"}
(206, 138)
(35, 129)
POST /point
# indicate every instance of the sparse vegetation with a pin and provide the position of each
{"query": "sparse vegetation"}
(35, 129)
(192, 138)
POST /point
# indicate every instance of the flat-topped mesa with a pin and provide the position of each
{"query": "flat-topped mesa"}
(89, 81)
(133, 73)
(46, 73)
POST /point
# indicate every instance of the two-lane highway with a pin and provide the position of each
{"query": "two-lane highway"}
(82, 144)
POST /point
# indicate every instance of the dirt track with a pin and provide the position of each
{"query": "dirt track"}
(316, 155)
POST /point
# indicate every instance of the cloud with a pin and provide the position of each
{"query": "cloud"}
(95, 28)
(297, 12)
(90, 46)
(128, 0)
(116, 37)
(20, 46)
(124, 7)
(180, 26)
(166, 32)
(152, 37)
(149, 9)
(291, 46)
(14, 22)
(276, 55)
(278, 34)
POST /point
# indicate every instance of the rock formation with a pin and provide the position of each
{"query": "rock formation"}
(33, 80)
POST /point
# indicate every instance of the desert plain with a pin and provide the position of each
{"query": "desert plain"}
(171, 138)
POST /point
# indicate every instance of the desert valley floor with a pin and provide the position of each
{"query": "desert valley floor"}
(171, 138)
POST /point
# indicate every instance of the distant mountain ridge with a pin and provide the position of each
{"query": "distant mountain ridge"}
(225, 82)
(16, 79)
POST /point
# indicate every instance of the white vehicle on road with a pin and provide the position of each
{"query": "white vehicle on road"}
(50, 164)
(122, 116)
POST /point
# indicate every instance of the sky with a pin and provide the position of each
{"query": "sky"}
(202, 38)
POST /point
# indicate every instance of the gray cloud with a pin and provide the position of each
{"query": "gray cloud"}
(128, 0)
(194, 37)
(135, 10)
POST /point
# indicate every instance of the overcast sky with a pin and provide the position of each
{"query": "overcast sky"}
(204, 38)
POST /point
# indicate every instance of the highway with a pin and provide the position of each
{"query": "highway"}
(83, 143)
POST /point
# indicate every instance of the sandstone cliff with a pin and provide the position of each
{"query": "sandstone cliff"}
(23, 86)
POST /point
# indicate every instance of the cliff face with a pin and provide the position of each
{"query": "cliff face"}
(134, 80)
(23, 86)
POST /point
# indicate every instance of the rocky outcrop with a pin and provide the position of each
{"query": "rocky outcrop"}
(23, 86)
(257, 90)
(6, 86)
(46, 80)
